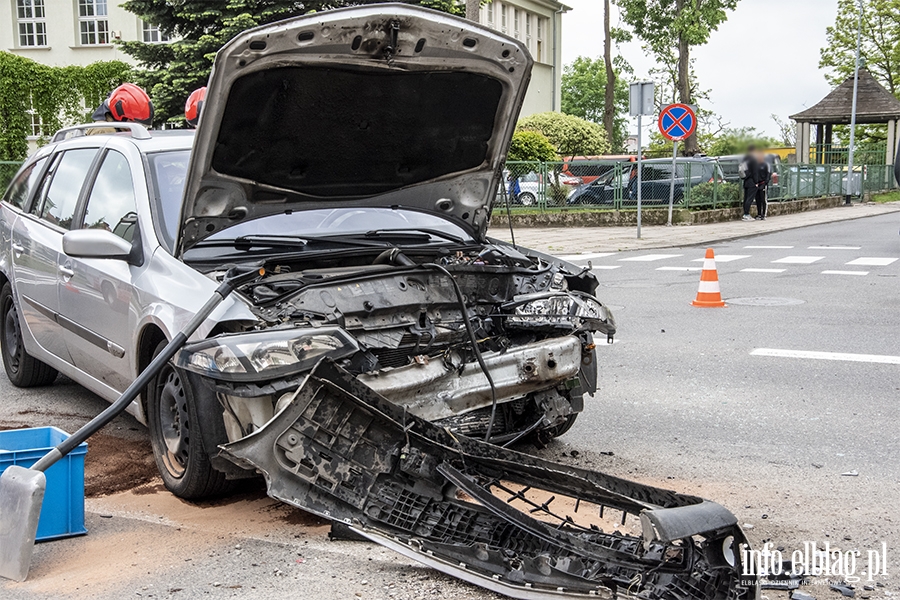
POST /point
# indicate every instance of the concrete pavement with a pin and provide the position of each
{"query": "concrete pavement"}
(613, 239)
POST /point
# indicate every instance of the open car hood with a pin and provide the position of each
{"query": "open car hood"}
(387, 105)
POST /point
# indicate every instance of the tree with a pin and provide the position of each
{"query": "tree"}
(680, 24)
(736, 141)
(609, 90)
(531, 146)
(170, 72)
(571, 136)
(583, 88)
(880, 48)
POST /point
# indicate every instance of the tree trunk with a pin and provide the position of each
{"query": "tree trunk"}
(609, 109)
(684, 81)
(473, 7)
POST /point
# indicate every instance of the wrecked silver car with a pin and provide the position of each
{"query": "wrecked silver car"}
(388, 348)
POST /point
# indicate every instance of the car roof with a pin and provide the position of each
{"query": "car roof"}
(146, 140)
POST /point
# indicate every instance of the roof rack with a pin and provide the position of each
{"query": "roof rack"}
(138, 131)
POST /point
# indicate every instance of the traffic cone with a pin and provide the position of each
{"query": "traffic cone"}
(709, 296)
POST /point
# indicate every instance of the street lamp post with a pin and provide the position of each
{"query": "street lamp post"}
(853, 110)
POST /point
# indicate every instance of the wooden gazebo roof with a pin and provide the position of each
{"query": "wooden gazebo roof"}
(874, 104)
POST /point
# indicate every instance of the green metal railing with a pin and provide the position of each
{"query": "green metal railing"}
(699, 185)
(835, 154)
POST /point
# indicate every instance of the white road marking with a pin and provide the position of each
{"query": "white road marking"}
(679, 268)
(588, 256)
(845, 272)
(725, 258)
(763, 270)
(798, 260)
(605, 267)
(869, 358)
(833, 248)
(649, 257)
(871, 261)
(768, 247)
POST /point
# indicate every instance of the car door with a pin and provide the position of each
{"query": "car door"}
(37, 246)
(96, 294)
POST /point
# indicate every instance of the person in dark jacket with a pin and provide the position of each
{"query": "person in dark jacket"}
(762, 188)
(750, 166)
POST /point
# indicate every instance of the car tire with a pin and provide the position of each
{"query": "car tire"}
(526, 199)
(22, 369)
(177, 439)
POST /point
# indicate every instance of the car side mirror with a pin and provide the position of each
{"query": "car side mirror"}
(95, 243)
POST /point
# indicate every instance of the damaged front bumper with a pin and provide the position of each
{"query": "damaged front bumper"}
(503, 520)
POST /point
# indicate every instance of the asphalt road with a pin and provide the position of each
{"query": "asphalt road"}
(683, 403)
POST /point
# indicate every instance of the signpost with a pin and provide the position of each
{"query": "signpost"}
(641, 102)
(676, 122)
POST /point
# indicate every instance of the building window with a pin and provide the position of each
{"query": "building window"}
(503, 18)
(37, 125)
(516, 23)
(152, 34)
(490, 14)
(528, 30)
(539, 51)
(92, 22)
(32, 28)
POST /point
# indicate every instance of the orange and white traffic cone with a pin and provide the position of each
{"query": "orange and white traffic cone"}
(709, 296)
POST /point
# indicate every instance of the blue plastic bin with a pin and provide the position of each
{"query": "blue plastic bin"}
(62, 514)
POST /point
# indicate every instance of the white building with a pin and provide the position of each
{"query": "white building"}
(70, 32)
(79, 32)
(538, 23)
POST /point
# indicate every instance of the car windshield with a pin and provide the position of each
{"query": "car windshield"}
(169, 169)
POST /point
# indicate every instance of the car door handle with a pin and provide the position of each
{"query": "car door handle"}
(18, 249)
(67, 272)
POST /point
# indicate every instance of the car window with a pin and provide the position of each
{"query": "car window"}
(168, 171)
(111, 204)
(20, 189)
(58, 198)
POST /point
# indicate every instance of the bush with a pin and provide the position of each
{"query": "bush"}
(531, 146)
(724, 194)
(570, 135)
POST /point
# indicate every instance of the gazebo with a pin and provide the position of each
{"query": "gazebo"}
(874, 105)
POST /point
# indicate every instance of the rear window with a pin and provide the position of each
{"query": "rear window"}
(21, 187)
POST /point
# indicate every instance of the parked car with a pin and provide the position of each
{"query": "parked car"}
(112, 242)
(587, 169)
(532, 188)
(656, 179)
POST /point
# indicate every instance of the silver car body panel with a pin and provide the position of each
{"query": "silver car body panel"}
(357, 38)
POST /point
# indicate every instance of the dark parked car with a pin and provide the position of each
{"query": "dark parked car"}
(656, 180)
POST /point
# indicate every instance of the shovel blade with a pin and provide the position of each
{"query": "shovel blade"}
(21, 497)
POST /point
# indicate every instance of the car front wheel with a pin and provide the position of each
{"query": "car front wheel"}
(176, 437)
(22, 369)
(526, 199)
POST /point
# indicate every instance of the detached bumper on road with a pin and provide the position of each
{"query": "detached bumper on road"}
(506, 521)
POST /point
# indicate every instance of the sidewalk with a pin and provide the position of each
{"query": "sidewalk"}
(558, 240)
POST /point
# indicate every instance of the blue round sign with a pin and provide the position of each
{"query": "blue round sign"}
(677, 121)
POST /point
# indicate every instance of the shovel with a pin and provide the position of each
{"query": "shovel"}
(22, 490)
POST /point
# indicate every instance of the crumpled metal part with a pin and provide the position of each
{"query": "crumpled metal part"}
(506, 521)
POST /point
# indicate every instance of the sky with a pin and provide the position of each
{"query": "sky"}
(782, 38)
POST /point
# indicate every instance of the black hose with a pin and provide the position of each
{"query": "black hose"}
(474, 340)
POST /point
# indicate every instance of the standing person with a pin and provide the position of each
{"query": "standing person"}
(762, 188)
(514, 188)
(749, 173)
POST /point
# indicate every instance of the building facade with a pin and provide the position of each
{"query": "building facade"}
(537, 23)
(70, 32)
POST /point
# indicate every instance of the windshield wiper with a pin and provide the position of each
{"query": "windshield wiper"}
(245, 242)
(395, 233)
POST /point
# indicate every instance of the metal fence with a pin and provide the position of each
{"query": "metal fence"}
(698, 184)
(612, 185)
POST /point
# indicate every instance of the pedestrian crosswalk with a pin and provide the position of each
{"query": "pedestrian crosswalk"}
(838, 261)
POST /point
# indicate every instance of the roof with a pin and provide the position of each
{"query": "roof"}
(874, 104)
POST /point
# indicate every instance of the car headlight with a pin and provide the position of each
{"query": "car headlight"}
(269, 354)
(572, 310)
